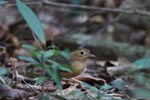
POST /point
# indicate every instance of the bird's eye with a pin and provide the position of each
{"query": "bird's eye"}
(82, 53)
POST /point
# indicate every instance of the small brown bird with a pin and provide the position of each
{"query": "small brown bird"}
(77, 62)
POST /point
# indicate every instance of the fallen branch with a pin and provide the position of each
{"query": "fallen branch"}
(38, 88)
(98, 9)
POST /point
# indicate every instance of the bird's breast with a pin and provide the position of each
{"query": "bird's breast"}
(76, 67)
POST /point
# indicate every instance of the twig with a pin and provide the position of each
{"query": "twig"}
(28, 3)
(37, 41)
(2, 81)
(102, 9)
(31, 87)
(97, 9)
(37, 89)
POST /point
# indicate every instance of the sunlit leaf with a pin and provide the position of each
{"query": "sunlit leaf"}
(35, 53)
(50, 53)
(54, 47)
(143, 63)
(28, 59)
(28, 46)
(31, 20)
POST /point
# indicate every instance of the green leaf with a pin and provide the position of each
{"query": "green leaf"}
(41, 79)
(53, 47)
(50, 53)
(64, 67)
(28, 59)
(1, 49)
(28, 46)
(106, 87)
(142, 79)
(45, 97)
(142, 63)
(54, 73)
(31, 20)
(86, 85)
(141, 93)
(61, 67)
(120, 84)
(3, 71)
(47, 69)
(57, 78)
(35, 53)
(75, 93)
(65, 53)
(38, 54)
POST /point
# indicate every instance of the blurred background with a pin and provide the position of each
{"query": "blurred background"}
(116, 31)
(109, 27)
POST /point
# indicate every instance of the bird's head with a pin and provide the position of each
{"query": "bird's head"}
(81, 55)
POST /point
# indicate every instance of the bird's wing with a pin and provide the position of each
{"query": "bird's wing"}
(62, 60)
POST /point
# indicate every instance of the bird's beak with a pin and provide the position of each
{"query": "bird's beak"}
(92, 55)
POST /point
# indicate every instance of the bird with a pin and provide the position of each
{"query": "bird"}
(77, 62)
